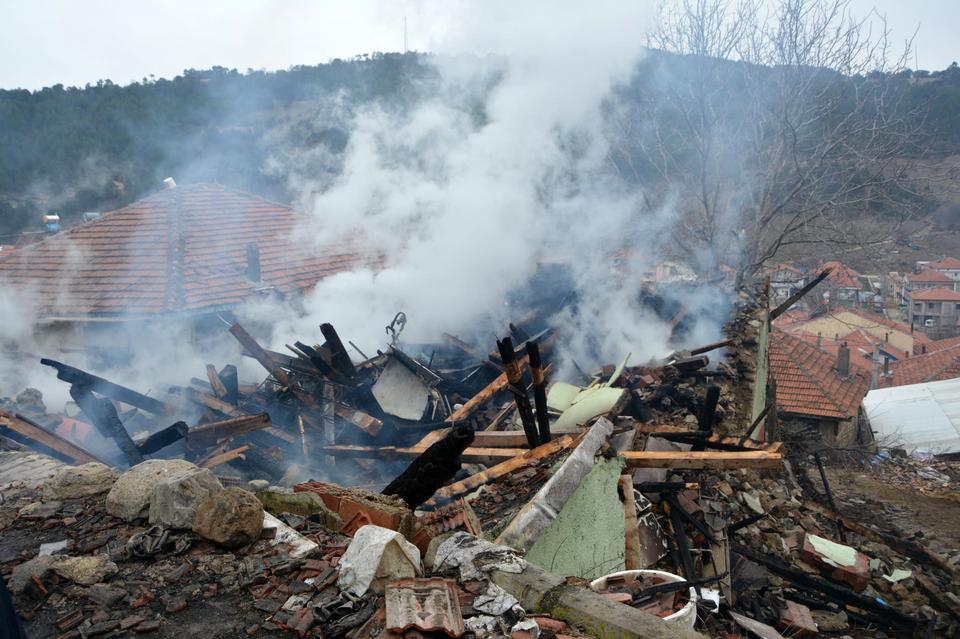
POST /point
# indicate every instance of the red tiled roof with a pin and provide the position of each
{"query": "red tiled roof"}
(929, 276)
(931, 367)
(807, 383)
(861, 345)
(940, 344)
(182, 249)
(841, 275)
(935, 295)
(947, 264)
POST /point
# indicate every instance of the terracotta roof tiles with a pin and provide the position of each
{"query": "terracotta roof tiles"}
(935, 295)
(808, 385)
(182, 249)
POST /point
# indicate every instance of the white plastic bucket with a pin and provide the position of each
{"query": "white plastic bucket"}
(686, 615)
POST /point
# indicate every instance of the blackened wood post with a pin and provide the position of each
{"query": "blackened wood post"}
(228, 377)
(826, 490)
(515, 383)
(708, 413)
(539, 391)
(341, 360)
(163, 438)
(104, 416)
(432, 469)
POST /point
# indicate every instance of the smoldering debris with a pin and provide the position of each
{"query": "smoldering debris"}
(436, 489)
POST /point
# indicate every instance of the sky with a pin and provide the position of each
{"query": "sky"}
(71, 42)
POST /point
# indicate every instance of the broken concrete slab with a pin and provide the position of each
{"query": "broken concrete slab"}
(304, 504)
(85, 571)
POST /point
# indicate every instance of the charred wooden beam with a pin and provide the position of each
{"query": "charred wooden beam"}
(539, 391)
(711, 347)
(688, 365)
(320, 359)
(263, 357)
(40, 437)
(338, 353)
(106, 388)
(708, 413)
(793, 299)
(506, 467)
(519, 391)
(905, 547)
(220, 458)
(695, 437)
(431, 469)
(162, 438)
(207, 434)
(368, 424)
(829, 494)
(835, 592)
(103, 415)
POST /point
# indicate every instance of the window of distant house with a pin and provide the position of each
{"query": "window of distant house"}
(918, 306)
(956, 307)
(931, 305)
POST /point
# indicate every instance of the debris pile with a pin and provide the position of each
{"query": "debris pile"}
(451, 493)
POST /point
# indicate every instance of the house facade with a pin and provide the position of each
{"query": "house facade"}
(934, 310)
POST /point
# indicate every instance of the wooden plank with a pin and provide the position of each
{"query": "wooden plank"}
(476, 480)
(368, 424)
(208, 400)
(36, 433)
(936, 594)
(213, 431)
(471, 454)
(215, 382)
(258, 353)
(702, 459)
(509, 438)
(498, 384)
(222, 458)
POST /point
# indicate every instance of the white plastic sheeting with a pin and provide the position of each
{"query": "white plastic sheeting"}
(921, 418)
(375, 556)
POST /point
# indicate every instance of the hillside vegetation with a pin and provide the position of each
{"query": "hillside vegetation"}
(69, 149)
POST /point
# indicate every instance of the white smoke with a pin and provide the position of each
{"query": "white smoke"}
(505, 163)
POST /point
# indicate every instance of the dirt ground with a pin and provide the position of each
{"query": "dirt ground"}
(869, 497)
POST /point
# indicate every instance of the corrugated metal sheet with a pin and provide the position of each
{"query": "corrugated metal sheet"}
(922, 418)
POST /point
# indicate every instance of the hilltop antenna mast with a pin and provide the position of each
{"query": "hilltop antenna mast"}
(404, 34)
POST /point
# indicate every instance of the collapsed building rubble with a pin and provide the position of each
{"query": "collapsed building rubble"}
(442, 491)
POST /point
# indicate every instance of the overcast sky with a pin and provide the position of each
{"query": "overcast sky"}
(73, 42)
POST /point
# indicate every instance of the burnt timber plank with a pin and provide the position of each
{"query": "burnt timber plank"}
(36, 433)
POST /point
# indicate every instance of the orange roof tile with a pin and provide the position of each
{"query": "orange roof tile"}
(935, 295)
(931, 367)
(947, 264)
(929, 276)
(182, 249)
(808, 385)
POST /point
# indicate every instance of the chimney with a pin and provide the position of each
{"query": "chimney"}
(843, 360)
(886, 337)
(169, 183)
(253, 262)
(819, 338)
(923, 349)
(886, 367)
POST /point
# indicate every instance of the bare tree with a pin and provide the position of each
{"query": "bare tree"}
(768, 130)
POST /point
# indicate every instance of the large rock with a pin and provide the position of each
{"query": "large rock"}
(23, 573)
(232, 517)
(72, 482)
(85, 571)
(40, 509)
(131, 493)
(303, 504)
(175, 498)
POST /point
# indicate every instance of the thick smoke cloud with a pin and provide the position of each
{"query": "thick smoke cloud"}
(504, 164)
(501, 164)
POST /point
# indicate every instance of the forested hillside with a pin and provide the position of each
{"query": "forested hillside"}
(70, 150)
